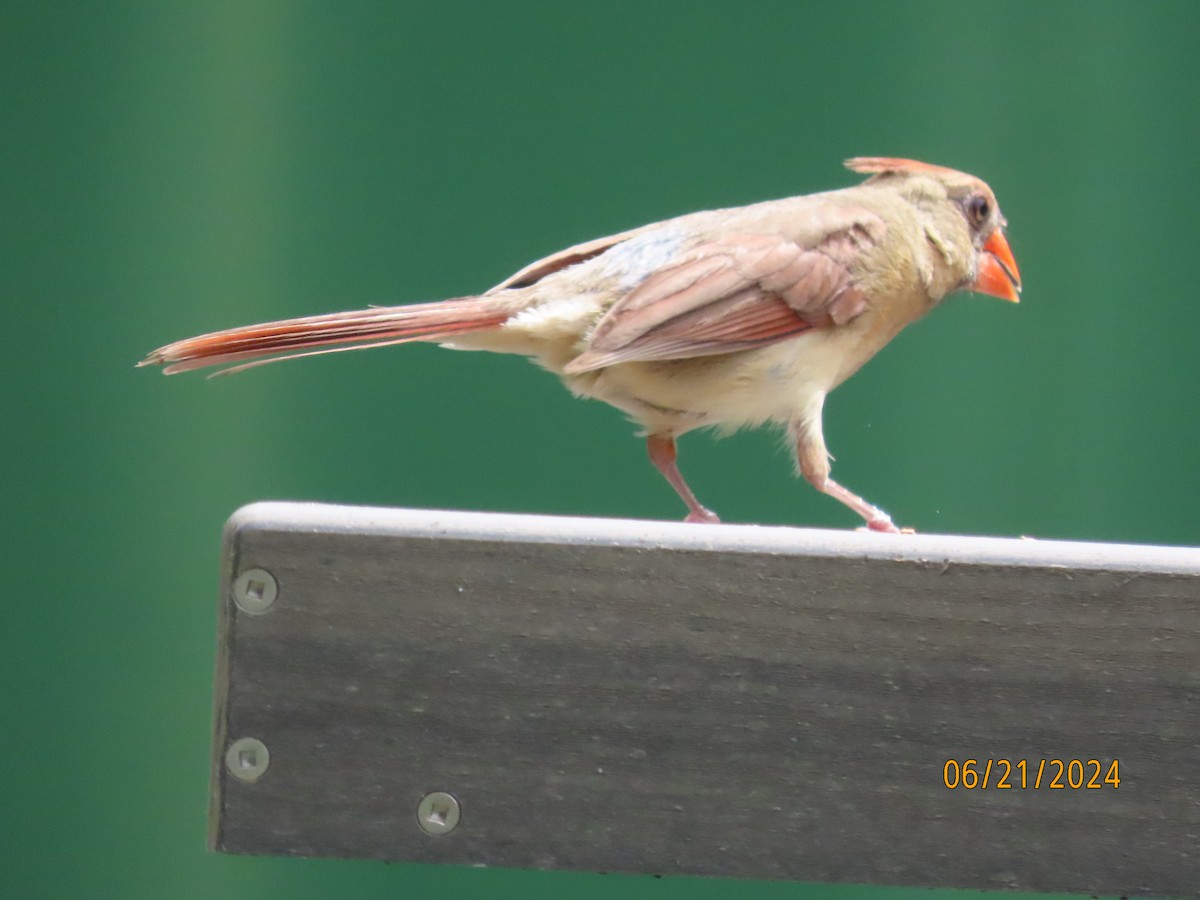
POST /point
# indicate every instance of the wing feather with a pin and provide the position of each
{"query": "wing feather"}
(564, 259)
(732, 293)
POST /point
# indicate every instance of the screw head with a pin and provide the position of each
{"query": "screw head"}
(254, 591)
(247, 759)
(438, 813)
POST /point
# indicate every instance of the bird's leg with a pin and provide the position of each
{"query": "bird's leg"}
(813, 461)
(876, 518)
(663, 454)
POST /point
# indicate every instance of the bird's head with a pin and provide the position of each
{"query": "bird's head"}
(993, 268)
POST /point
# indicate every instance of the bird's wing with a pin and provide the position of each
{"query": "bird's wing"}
(564, 259)
(736, 291)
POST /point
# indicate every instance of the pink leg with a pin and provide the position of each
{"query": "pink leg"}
(876, 518)
(663, 454)
(813, 461)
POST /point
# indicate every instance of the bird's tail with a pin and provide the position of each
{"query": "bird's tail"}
(256, 345)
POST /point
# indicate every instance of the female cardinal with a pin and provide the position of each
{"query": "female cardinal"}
(725, 318)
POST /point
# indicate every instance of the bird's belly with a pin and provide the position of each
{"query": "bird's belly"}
(749, 388)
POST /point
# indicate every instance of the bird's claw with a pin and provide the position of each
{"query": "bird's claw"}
(884, 525)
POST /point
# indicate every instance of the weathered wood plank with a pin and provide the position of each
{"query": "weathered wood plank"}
(726, 700)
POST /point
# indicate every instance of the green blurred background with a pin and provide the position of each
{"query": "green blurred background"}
(171, 168)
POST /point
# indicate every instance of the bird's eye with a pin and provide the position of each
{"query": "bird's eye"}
(978, 208)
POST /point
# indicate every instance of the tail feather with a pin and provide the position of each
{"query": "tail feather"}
(256, 345)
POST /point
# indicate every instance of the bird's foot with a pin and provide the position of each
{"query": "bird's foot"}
(884, 528)
(703, 516)
(884, 525)
(874, 518)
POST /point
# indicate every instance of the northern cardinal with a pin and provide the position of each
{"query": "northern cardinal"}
(725, 318)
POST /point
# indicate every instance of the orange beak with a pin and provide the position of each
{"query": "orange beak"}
(998, 274)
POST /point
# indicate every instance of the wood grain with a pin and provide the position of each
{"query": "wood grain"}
(719, 700)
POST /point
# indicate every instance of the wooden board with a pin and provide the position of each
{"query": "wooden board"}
(612, 695)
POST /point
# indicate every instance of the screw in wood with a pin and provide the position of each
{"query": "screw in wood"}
(254, 591)
(438, 813)
(247, 759)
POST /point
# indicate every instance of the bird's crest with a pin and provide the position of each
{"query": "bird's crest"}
(886, 165)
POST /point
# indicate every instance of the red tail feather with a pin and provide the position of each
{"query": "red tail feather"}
(273, 341)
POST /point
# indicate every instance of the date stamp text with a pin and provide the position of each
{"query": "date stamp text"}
(1031, 774)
